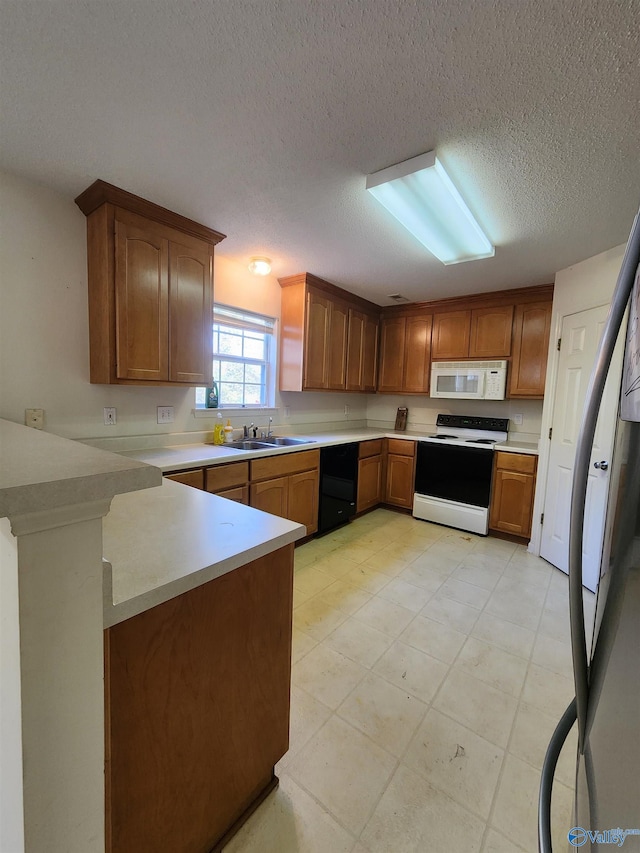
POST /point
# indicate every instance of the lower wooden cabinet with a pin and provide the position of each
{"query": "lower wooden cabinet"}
(288, 486)
(514, 482)
(194, 478)
(400, 472)
(370, 491)
(197, 709)
(227, 481)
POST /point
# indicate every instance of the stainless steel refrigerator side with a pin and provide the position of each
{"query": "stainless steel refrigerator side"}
(584, 444)
(579, 705)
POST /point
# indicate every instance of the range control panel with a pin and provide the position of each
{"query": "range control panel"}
(466, 422)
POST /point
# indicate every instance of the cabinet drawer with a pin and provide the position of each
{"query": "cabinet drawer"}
(239, 494)
(194, 478)
(289, 463)
(221, 477)
(401, 447)
(370, 448)
(522, 462)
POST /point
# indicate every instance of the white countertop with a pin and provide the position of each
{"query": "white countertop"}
(183, 456)
(40, 471)
(165, 541)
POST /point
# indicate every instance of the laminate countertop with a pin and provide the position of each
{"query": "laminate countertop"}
(182, 457)
(167, 540)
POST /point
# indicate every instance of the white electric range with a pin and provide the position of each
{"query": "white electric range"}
(453, 471)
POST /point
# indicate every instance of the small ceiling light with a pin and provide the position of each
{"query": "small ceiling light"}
(421, 196)
(260, 266)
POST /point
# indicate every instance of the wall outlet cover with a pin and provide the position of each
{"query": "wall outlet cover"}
(109, 415)
(165, 414)
(517, 419)
(34, 418)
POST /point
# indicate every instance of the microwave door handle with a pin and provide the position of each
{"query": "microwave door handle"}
(482, 383)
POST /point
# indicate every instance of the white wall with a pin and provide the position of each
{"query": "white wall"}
(44, 342)
(588, 284)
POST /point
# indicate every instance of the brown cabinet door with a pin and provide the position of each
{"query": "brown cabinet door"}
(355, 350)
(512, 502)
(450, 338)
(400, 480)
(303, 499)
(190, 313)
(240, 494)
(141, 301)
(531, 328)
(270, 496)
(193, 478)
(369, 482)
(491, 332)
(370, 353)
(336, 346)
(316, 361)
(417, 354)
(392, 341)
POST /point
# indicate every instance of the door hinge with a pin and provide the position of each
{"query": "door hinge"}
(542, 519)
(550, 431)
(559, 342)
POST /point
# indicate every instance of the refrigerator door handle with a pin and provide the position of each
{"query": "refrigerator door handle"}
(584, 447)
(556, 743)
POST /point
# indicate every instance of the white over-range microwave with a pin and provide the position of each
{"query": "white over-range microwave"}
(469, 380)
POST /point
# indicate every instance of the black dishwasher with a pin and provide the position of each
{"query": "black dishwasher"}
(338, 485)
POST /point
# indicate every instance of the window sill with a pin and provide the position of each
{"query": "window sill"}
(230, 411)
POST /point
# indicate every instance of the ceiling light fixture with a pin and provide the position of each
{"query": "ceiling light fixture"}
(421, 196)
(260, 266)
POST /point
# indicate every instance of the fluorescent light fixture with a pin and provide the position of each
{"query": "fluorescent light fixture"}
(260, 266)
(421, 196)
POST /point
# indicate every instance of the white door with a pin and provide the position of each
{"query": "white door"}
(580, 338)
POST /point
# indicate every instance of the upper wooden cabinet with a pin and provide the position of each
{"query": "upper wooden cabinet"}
(150, 291)
(405, 347)
(328, 338)
(531, 328)
(478, 333)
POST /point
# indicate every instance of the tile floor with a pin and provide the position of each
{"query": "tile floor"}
(430, 667)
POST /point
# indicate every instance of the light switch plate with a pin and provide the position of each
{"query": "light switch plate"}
(517, 419)
(109, 415)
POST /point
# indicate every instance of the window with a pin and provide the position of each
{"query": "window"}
(243, 353)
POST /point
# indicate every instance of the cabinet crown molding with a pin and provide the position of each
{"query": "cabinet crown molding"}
(100, 192)
(308, 278)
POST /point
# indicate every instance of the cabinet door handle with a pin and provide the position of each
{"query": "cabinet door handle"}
(601, 465)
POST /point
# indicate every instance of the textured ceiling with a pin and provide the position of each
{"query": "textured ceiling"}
(261, 118)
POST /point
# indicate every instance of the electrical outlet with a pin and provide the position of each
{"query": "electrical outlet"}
(346, 411)
(34, 418)
(109, 415)
(165, 414)
(517, 419)
(287, 411)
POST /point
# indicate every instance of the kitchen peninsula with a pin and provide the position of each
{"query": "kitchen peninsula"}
(188, 626)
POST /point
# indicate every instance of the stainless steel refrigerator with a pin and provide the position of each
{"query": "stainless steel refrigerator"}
(606, 707)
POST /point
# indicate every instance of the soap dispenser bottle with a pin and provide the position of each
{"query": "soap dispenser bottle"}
(228, 432)
(218, 432)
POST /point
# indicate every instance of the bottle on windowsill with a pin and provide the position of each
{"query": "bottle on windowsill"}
(211, 397)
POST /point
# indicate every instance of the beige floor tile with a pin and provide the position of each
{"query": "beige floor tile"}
(457, 761)
(290, 820)
(367, 578)
(451, 613)
(454, 549)
(478, 575)
(424, 577)
(433, 638)
(497, 843)
(412, 670)
(530, 738)
(345, 771)
(553, 654)
(309, 580)
(507, 635)
(517, 602)
(498, 547)
(358, 553)
(478, 706)
(301, 644)
(307, 716)
(516, 808)
(385, 563)
(387, 714)
(465, 593)
(304, 556)
(547, 690)
(555, 625)
(327, 675)
(299, 598)
(316, 618)
(344, 596)
(492, 665)
(405, 594)
(537, 573)
(335, 565)
(438, 563)
(403, 552)
(414, 817)
(492, 560)
(385, 615)
(359, 642)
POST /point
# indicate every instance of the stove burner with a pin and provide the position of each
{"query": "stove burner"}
(481, 441)
(443, 436)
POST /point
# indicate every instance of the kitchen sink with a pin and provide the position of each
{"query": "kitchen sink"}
(246, 444)
(285, 441)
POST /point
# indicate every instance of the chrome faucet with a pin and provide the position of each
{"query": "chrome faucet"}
(268, 434)
(246, 429)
